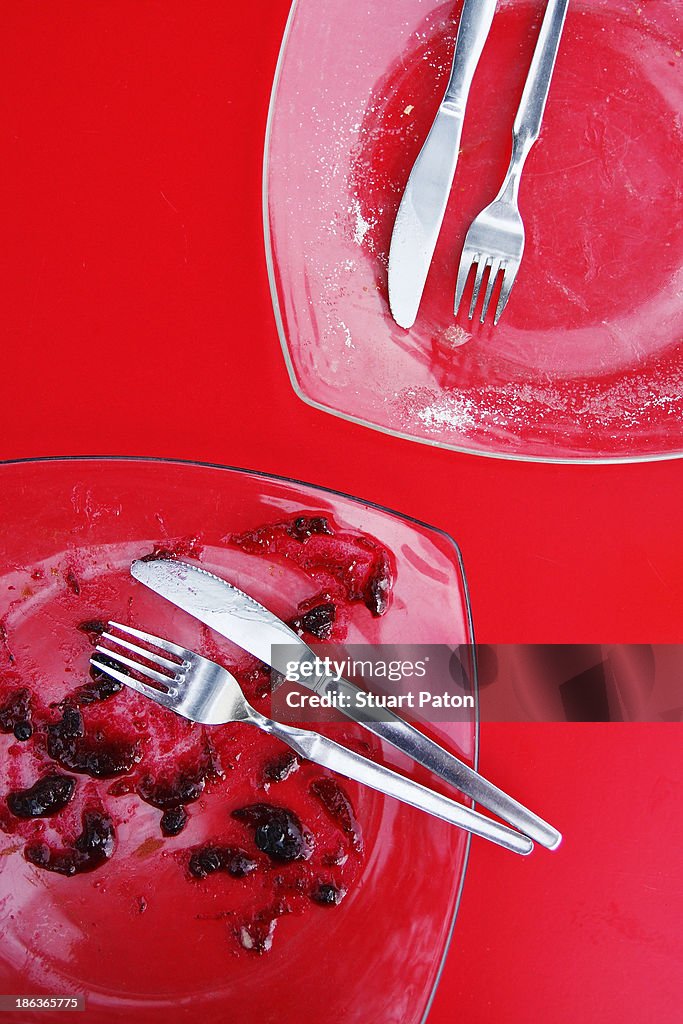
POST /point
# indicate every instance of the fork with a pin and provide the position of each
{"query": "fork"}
(495, 239)
(202, 691)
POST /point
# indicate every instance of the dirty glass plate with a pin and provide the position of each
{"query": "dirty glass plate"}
(587, 362)
(69, 529)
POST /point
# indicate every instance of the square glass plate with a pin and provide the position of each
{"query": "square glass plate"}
(69, 529)
(586, 363)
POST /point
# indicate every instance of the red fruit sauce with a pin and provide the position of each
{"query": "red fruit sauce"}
(283, 837)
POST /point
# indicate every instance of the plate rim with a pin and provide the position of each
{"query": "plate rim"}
(578, 460)
(476, 721)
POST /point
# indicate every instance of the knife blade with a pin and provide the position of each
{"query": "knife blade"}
(241, 619)
(424, 201)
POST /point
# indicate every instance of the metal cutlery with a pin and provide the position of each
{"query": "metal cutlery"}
(202, 691)
(424, 201)
(241, 619)
(495, 239)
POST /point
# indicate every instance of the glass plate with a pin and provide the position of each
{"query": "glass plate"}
(84, 520)
(586, 363)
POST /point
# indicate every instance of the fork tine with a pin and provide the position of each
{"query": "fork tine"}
(151, 673)
(160, 696)
(481, 267)
(466, 261)
(149, 638)
(158, 659)
(493, 274)
(505, 289)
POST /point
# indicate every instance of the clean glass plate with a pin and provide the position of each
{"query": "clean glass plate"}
(69, 530)
(587, 361)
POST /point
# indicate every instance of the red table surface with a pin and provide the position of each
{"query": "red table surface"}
(133, 261)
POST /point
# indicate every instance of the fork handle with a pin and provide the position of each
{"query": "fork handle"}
(328, 754)
(527, 124)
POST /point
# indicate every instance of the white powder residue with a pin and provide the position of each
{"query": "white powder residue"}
(362, 226)
(453, 411)
(347, 334)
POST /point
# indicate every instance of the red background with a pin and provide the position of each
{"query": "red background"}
(133, 262)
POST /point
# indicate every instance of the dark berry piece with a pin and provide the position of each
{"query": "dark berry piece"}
(165, 794)
(281, 767)
(71, 725)
(378, 587)
(102, 686)
(93, 629)
(338, 805)
(277, 831)
(23, 731)
(96, 841)
(239, 864)
(97, 674)
(47, 796)
(39, 854)
(327, 894)
(173, 821)
(318, 621)
(15, 714)
(205, 861)
(304, 527)
(209, 859)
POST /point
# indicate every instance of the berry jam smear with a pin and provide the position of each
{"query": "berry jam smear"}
(247, 823)
(97, 755)
(15, 714)
(350, 568)
(338, 805)
(280, 767)
(186, 547)
(45, 797)
(92, 848)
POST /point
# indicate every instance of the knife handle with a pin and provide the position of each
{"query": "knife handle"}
(328, 754)
(406, 738)
(473, 30)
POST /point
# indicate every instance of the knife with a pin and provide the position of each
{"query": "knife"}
(241, 619)
(424, 201)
